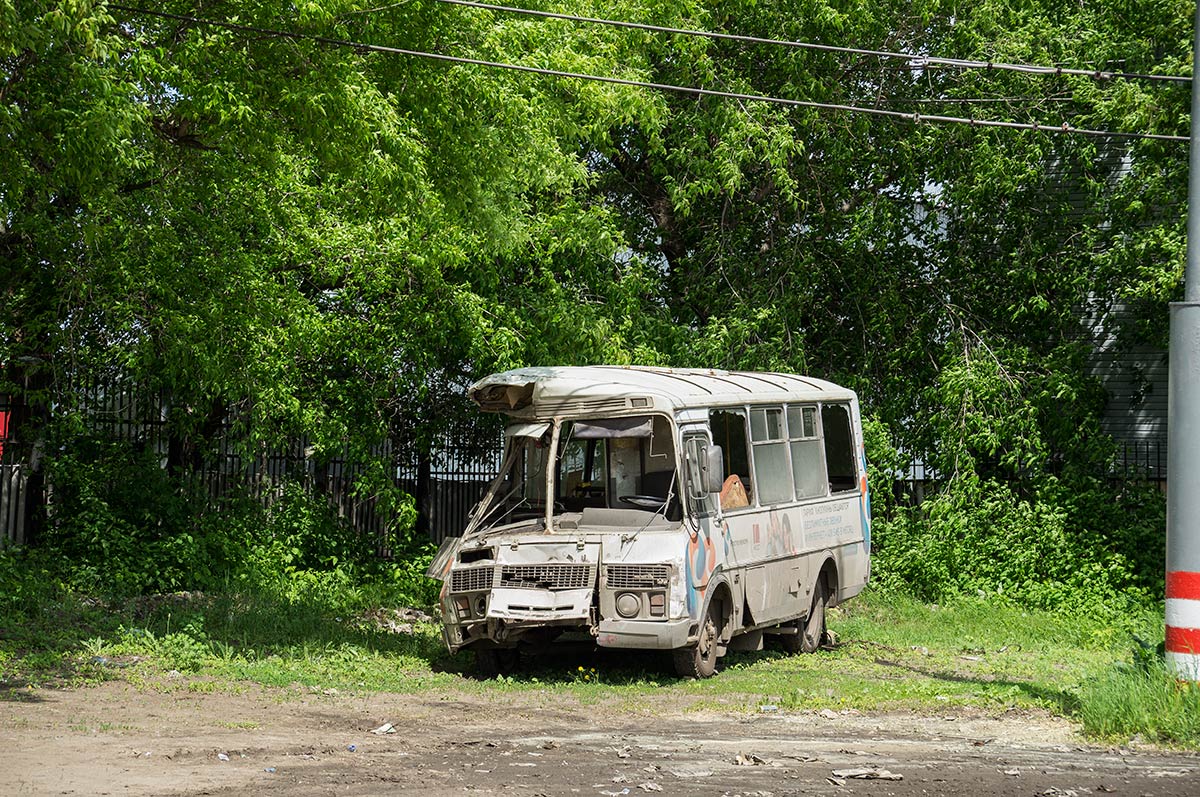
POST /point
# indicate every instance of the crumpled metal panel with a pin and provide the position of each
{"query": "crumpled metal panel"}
(540, 604)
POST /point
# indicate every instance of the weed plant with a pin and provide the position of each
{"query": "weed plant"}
(291, 581)
(1142, 703)
(291, 596)
(1054, 546)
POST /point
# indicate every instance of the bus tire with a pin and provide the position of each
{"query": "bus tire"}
(700, 660)
(490, 662)
(811, 631)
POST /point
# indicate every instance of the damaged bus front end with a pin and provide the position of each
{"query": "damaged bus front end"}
(590, 558)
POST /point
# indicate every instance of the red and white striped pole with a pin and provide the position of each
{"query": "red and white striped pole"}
(1183, 430)
(1183, 624)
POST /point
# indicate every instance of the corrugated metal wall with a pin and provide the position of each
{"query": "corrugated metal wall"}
(1134, 378)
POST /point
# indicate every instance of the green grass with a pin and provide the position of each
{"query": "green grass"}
(893, 653)
(1142, 703)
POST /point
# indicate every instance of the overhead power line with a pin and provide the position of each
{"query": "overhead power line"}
(914, 117)
(916, 61)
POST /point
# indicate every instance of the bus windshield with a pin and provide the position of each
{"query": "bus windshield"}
(619, 463)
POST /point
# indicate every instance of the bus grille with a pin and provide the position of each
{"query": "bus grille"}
(638, 576)
(549, 576)
(473, 579)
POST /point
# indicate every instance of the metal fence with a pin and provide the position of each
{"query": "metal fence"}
(449, 489)
(13, 503)
(446, 481)
(1143, 460)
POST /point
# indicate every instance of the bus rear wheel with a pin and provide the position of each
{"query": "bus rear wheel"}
(811, 631)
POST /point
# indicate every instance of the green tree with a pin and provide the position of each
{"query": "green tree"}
(329, 242)
(951, 273)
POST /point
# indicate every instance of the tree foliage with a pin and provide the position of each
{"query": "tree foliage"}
(330, 242)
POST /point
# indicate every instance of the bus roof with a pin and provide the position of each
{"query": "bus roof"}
(532, 391)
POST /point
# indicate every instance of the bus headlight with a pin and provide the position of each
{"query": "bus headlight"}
(629, 604)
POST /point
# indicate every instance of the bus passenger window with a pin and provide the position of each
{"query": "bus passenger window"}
(770, 455)
(808, 468)
(729, 432)
(839, 448)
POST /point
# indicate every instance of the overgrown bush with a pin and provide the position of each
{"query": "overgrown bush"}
(404, 577)
(1061, 547)
(121, 525)
(307, 554)
(29, 581)
(1025, 511)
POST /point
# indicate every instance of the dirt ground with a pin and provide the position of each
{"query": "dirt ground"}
(118, 740)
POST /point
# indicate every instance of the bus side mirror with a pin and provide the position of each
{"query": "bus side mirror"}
(714, 470)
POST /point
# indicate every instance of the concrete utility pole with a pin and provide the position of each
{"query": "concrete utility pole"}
(1183, 429)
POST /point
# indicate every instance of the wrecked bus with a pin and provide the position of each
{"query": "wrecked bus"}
(693, 511)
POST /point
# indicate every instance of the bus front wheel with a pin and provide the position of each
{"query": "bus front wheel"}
(490, 662)
(700, 660)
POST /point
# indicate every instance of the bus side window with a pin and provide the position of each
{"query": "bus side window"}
(769, 442)
(729, 432)
(839, 448)
(808, 467)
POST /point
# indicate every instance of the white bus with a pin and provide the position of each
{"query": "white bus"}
(686, 510)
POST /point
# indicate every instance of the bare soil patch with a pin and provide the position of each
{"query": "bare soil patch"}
(184, 740)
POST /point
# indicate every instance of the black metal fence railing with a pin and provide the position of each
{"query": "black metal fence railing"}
(13, 503)
(445, 483)
(1143, 460)
(448, 483)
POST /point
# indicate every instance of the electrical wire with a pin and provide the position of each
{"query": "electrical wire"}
(914, 117)
(916, 61)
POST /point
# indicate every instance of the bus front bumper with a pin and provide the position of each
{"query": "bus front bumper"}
(655, 635)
